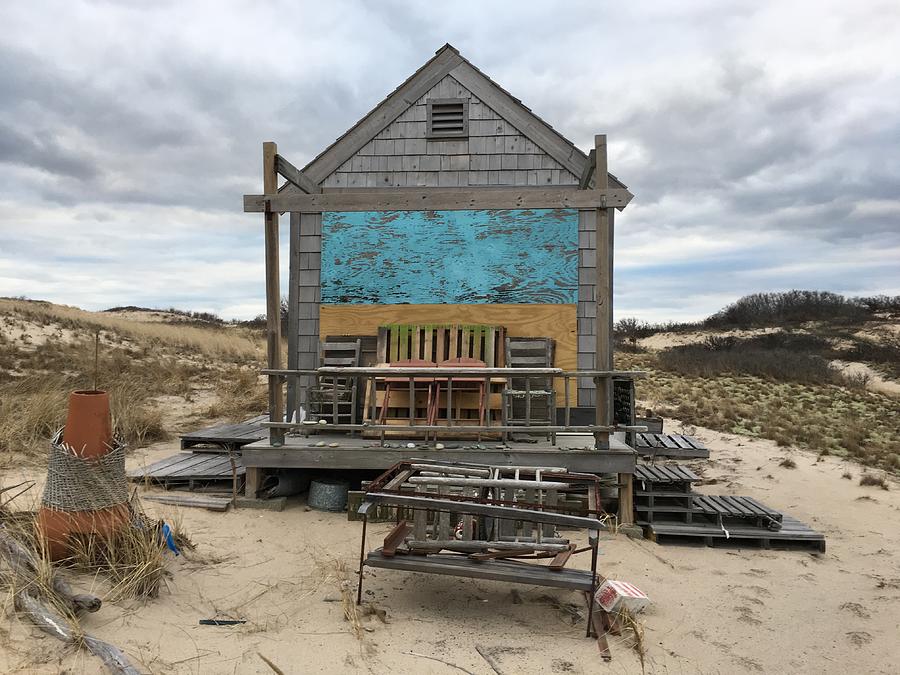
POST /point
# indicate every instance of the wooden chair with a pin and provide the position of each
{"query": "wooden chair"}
(529, 402)
(411, 384)
(463, 384)
(333, 398)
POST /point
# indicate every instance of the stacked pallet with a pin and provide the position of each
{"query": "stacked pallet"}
(669, 510)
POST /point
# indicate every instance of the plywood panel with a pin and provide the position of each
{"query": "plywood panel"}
(430, 257)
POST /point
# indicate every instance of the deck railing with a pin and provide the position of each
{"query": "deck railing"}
(601, 378)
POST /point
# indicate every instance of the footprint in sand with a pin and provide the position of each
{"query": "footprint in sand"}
(746, 615)
(859, 637)
(857, 609)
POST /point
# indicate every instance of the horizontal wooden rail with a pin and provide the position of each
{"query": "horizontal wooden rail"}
(456, 428)
(454, 372)
(436, 199)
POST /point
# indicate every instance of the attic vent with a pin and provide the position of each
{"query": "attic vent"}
(448, 118)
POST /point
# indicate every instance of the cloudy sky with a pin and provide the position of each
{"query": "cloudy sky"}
(761, 139)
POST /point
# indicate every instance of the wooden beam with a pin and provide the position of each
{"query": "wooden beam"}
(273, 293)
(295, 176)
(603, 292)
(440, 200)
(588, 172)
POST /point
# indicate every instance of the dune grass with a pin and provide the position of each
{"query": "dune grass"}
(826, 417)
(47, 351)
(230, 342)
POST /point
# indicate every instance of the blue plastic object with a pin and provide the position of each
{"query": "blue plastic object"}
(170, 540)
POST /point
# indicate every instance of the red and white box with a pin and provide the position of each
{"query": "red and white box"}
(614, 595)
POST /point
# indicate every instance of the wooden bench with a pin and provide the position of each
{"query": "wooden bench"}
(484, 522)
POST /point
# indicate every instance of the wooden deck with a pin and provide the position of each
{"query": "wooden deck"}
(186, 468)
(574, 452)
(225, 437)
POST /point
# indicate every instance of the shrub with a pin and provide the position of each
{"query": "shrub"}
(876, 481)
(719, 357)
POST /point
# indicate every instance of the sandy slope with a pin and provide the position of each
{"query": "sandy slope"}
(715, 610)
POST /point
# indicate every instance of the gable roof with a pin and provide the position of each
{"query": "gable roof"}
(448, 61)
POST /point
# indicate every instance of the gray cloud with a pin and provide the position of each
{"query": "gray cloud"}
(747, 134)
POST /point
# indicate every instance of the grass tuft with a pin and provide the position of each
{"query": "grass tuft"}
(873, 480)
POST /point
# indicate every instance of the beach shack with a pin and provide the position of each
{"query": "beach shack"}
(450, 289)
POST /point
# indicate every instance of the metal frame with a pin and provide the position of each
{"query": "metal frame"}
(488, 498)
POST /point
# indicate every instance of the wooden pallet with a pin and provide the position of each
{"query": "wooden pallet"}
(669, 445)
(726, 511)
(793, 534)
(665, 473)
(726, 508)
(227, 437)
(188, 467)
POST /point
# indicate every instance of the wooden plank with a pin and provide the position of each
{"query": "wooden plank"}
(694, 442)
(428, 353)
(295, 176)
(440, 350)
(497, 570)
(382, 348)
(417, 342)
(489, 346)
(440, 199)
(311, 457)
(395, 537)
(588, 172)
(560, 559)
(394, 353)
(454, 342)
(195, 501)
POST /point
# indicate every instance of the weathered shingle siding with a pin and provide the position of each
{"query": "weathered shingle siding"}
(495, 152)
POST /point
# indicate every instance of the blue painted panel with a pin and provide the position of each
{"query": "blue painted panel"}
(451, 257)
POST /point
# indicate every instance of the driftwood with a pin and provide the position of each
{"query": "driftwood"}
(23, 563)
(50, 621)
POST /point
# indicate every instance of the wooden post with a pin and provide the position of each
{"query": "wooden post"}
(252, 481)
(603, 295)
(273, 295)
(626, 499)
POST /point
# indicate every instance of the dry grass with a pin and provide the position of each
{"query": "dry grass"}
(825, 418)
(873, 480)
(133, 560)
(633, 632)
(230, 342)
(240, 392)
(47, 351)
